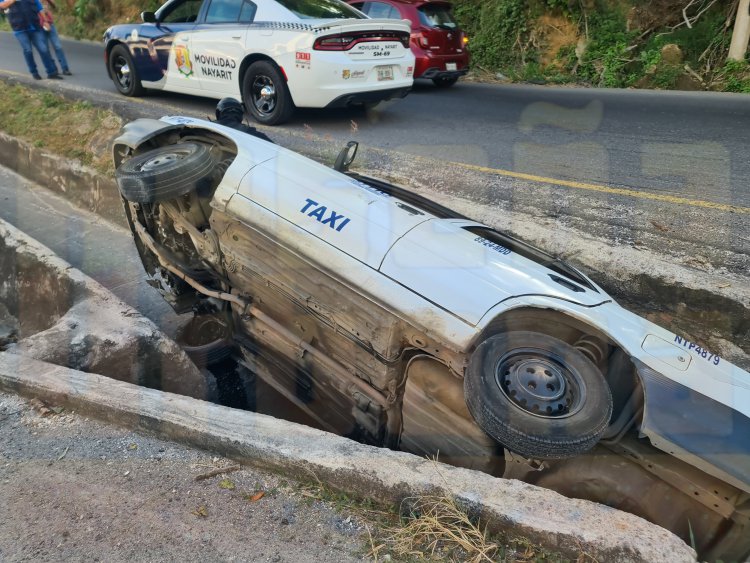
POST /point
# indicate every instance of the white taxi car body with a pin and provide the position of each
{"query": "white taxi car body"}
(389, 318)
(275, 55)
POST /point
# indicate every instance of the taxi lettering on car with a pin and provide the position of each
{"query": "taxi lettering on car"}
(275, 55)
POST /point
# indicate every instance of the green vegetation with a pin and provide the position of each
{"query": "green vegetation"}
(606, 43)
(71, 128)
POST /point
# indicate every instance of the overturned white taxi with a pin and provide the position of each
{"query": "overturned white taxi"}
(389, 318)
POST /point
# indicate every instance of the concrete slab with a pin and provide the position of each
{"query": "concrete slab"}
(64, 317)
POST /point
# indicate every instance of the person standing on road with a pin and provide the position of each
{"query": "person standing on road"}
(23, 16)
(48, 25)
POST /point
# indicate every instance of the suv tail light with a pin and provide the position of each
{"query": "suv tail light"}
(420, 39)
(345, 41)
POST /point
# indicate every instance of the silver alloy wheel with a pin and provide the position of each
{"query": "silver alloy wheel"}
(263, 93)
(122, 72)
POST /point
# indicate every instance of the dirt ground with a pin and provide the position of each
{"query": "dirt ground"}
(76, 489)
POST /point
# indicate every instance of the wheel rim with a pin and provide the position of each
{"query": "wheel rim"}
(263, 92)
(162, 160)
(540, 383)
(122, 73)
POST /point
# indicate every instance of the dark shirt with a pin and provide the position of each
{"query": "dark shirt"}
(239, 126)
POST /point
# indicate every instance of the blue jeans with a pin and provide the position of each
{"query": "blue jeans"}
(54, 38)
(39, 41)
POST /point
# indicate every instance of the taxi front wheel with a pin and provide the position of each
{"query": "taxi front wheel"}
(538, 396)
(265, 94)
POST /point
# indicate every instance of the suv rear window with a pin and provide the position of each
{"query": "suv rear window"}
(320, 9)
(436, 15)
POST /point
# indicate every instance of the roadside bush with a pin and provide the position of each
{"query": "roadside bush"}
(497, 31)
(607, 57)
(734, 76)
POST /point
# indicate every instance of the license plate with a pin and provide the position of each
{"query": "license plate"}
(385, 73)
(450, 66)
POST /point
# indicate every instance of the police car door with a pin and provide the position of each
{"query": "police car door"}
(218, 45)
(171, 46)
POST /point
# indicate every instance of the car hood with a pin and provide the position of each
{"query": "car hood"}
(467, 274)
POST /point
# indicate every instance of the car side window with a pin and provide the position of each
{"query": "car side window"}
(222, 11)
(231, 11)
(184, 12)
(247, 15)
(382, 10)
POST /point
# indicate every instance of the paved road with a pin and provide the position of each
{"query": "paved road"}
(690, 145)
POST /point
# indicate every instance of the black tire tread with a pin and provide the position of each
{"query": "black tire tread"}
(167, 183)
(487, 412)
(285, 105)
(136, 88)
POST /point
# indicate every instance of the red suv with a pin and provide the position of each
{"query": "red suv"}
(436, 41)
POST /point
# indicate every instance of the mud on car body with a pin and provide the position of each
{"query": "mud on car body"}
(391, 319)
(274, 54)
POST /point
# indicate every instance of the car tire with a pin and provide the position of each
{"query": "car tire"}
(444, 82)
(124, 73)
(206, 339)
(265, 93)
(165, 173)
(538, 396)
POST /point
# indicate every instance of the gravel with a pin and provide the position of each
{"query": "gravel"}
(76, 489)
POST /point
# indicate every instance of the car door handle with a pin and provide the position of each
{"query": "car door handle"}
(236, 36)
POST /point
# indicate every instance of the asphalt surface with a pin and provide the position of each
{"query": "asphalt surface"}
(689, 145)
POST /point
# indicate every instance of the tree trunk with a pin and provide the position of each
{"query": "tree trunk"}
(741, 32)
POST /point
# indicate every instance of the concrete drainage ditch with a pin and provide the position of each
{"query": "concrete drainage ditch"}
(54, 313)
(51, 312)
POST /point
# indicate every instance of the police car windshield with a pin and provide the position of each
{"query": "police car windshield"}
(320, 9)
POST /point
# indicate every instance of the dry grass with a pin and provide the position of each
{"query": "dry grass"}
(74, 129)
(437, 527)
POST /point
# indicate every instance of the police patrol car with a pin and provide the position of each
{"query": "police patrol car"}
(273, 54)
(387, 317)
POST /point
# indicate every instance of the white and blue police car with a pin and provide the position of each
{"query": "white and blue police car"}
(386, 317)
(273, 54)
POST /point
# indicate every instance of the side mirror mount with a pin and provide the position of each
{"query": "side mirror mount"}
(346, 156)
(148, 17)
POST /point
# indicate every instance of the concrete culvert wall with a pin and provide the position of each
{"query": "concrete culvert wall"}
(32, 293)
(52, 312)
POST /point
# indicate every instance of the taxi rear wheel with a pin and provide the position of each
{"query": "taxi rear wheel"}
(265, 94)
(123, 72)
(165, 173)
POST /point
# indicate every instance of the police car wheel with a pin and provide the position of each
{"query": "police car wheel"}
(123, 72)
(265, 94)
(165, 173)
(537, 395)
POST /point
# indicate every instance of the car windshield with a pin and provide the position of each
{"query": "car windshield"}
(437, 15)
(321, 9)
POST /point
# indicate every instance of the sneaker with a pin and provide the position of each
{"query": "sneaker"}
(67, 73)
(55, 76)
(36, 77)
